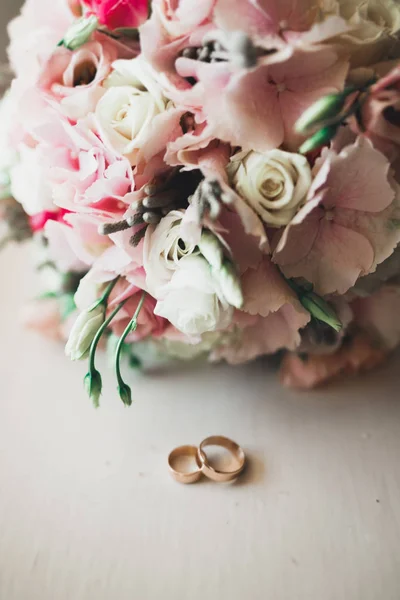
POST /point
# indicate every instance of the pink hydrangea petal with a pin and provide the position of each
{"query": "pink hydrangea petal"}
(297, 240)
(266, 335)
(265, 290)
(382, 230)
(338, 257)
(265, 17)
(358, 179)
(247, 112)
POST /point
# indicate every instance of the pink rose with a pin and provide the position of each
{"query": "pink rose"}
(117, 14)
(349, 223)
(73, 79)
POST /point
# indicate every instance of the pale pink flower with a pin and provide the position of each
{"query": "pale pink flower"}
(357, 355)
(75, 244)
(73, 79)
(271, 318)
(349, 224)
(84, 174)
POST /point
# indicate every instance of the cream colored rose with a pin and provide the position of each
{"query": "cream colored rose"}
(373, 26)
(274, 183)
(127, 110)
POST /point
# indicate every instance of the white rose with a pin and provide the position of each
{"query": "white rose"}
(373, 24)
(163, 250)
(274, 183)
(192, 300)
(131, 103)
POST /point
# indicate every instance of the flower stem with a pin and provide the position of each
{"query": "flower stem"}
(92, 380)
(105, 296)
(99, 334)
(123, 389)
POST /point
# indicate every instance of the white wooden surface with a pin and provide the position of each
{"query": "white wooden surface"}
(88, 510)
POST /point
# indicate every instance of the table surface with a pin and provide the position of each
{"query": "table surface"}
(88, 510)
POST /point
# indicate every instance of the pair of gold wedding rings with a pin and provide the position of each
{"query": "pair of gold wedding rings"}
(203, 464)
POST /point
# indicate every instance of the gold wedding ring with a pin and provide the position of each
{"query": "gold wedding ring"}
(235, 450)
(181, 453)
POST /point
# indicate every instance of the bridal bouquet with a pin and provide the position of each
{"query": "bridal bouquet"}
(209, 177)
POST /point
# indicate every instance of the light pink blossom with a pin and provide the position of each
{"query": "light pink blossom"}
(349, 224)
(85, 175)
(75, 244)
(73, 79)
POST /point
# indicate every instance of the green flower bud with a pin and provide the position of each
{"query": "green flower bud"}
(211, 249)
(80, 32)
(83, 333)
(326, 108)
(229, 282)
(125, 393)
(94, 386)
(321, 310)
(320, 138)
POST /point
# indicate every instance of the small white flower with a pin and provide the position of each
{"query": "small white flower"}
(131, 103)
(274, 183)
(193, 300)
(83, 332)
